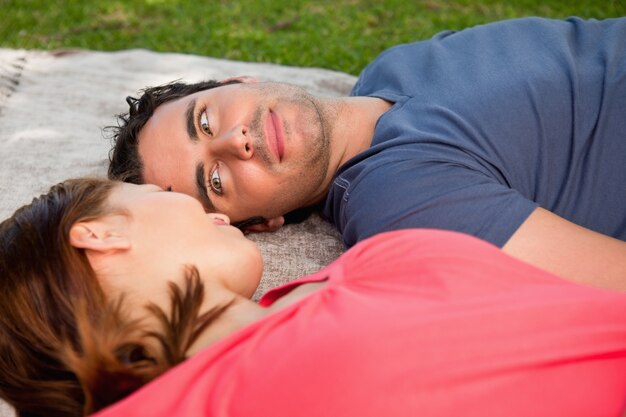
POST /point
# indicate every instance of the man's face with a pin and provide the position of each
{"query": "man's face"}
(252, 149)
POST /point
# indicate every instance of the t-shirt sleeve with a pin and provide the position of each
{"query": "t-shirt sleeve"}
(497, 119)
(443, 196)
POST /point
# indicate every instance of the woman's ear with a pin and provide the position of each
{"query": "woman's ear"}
(101, 235)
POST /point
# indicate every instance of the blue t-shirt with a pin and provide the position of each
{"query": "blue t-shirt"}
(487, 124)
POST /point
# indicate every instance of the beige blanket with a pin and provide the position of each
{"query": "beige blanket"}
(53, 107)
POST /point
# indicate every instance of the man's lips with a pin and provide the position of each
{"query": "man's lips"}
(275, 135)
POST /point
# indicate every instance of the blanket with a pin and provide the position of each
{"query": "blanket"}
(54, 106)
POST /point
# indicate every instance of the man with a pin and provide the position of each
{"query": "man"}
(514, 132)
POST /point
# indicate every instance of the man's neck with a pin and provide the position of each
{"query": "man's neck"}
(348, 123)
(353, 127)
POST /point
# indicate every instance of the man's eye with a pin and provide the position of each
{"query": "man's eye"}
(216, 182)
(204, 123)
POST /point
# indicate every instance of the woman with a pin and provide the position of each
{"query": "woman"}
(417, 322)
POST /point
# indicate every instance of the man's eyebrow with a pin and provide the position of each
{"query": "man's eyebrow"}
(202, 190)
(191, 123)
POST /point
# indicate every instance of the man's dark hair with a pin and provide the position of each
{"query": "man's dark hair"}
(124, 161)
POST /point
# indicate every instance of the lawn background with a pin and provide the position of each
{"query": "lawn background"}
(340, 34)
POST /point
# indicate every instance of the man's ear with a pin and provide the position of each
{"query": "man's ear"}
(241, 78)
(269, 225)
(101, 235)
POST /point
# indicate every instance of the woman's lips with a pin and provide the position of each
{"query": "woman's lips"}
(275, 136)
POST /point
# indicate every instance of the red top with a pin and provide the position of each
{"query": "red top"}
(412, 323)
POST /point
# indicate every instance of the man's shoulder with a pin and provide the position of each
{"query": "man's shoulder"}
(410, 66)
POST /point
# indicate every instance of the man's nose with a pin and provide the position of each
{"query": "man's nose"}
(235, 142)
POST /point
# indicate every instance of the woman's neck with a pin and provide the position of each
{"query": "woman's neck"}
(242, 312)
(239, 312)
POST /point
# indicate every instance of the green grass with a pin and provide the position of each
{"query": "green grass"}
(339, 34)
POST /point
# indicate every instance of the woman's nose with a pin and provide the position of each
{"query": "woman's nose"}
(219, 218)
(236, 142)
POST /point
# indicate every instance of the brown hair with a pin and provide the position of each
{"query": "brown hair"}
(65, 349)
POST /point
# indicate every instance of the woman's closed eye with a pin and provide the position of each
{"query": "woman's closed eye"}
(203, 122)
(215, 181)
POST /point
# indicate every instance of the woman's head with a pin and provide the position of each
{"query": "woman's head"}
(70, 339)
(38, 269)
(150, 234)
